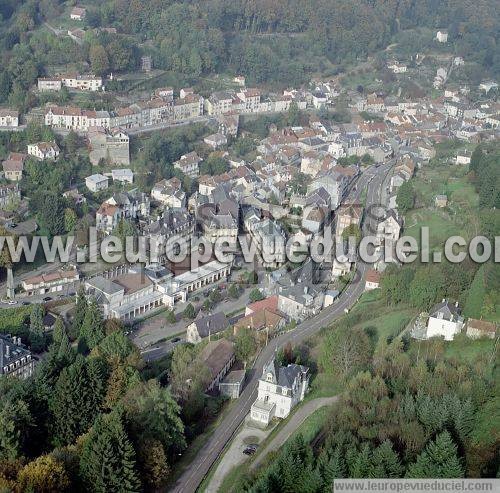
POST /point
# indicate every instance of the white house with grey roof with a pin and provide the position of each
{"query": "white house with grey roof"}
(280, 389)
(445, 320)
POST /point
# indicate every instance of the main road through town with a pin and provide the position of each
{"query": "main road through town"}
(373, 181)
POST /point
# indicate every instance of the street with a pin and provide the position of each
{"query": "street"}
(373, 180)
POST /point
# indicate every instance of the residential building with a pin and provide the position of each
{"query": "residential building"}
(9, 118)
(463, 157)
(442, 36)
(77, 13)
(189, 164)
(219, 103)
(346, 215)
(389, 228)
(172, 233)
(261, 320)
(270, 240)
(480, 328)
(15, 360)
(169, 193)
(280, 389)
(13, 166)
(441, 201)
(218, 357)
(96, 182)
(49, 84)
(110, 145)
(107, 217)
(123, 175)
(51, 282)
(372, 279)
(445, 320)
(44, 150)
(215, 140)
(206, 325)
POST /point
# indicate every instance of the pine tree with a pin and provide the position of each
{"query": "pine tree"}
(332, 468)
(438, 460)
(77, 399)
(80, 310)
(92, 328)
(108, 461)
(385, 462)
(359, 462)
(36, 319)
(58, 331)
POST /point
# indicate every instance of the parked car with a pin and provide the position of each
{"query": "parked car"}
(250, 449)
(47, 298)
(175, 339)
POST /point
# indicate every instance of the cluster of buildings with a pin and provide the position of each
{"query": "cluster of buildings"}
(445, 320)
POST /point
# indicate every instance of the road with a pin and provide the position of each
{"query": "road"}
(373, 180)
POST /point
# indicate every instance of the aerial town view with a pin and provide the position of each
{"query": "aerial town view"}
(249, 246)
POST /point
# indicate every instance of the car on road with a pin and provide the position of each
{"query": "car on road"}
(26, 303)
(12, 302)
(250, 449)
(47, 298)
(175, 339)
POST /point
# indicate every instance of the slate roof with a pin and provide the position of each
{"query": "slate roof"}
(212, 324)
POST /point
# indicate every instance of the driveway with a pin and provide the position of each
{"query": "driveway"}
(302, 413)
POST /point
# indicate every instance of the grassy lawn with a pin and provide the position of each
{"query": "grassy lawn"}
(467, 349)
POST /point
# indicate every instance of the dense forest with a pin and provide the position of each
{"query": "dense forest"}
(282, 42)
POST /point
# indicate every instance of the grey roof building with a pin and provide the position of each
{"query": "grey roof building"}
(15, 360)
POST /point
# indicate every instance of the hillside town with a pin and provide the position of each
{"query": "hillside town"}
(186, 172)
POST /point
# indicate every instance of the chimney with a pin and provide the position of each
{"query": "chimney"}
(7, 351)
(456, 304)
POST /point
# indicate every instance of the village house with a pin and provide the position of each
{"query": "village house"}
(442, 36)
(110, 145)
(389, 228)
(280, 389)
(9, 118)
(52, 282)
(44, 150)
(206, 326)
(77, 13)
(270, 241)
(96, 182)
(75, 196)
(15, 359)
(189, 164)
(445, 321)
(346, 215)
(219, 103)
(215, 140)
(463, 157)
(441, 201)
(13, 166)
(372, 279)
(261, 320)
(172, 233)
(480, 328)
(122, 175)
(396, 67)
(169, 193)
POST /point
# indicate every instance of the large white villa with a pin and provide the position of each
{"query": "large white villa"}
(281, 388)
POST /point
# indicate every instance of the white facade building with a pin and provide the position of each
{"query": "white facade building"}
(280, 389)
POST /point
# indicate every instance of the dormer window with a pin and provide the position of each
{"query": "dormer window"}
(269, 377)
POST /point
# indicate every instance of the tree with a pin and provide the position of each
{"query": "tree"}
(92, 329)
(255, 295)
(405, 197)
(438, 460)
(352, 230)
(70, 219)
(385, 462)
(153, 414)
(76, 400)
(293, 115)
(15, 422)
(170, 317)
(189, 312)
(45, 475)
(80, 311)
(244, 344)
(152, 463)
(233, 291)
(108, 461)
(98, 59)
